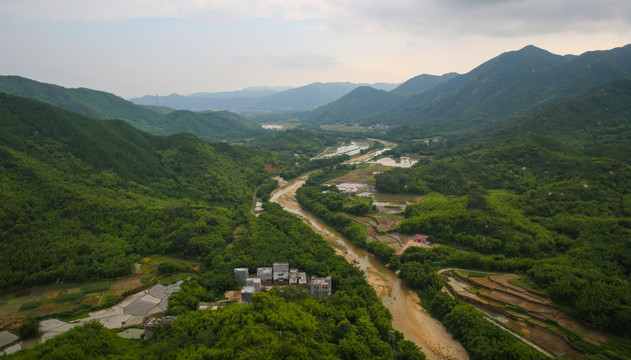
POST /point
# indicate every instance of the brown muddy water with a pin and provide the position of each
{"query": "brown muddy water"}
(408, 316)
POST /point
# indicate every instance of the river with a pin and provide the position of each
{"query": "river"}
(408, 316)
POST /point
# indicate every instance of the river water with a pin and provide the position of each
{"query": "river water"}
(408, 317)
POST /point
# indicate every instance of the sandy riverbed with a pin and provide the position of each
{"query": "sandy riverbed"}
(408, 316)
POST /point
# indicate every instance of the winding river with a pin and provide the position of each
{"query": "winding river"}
(408, 316)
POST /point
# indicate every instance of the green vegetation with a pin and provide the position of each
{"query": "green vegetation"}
(547, 195)
(325, 202)
(69, 297)
(502, 89)
(85, 199)
(169, 267)
(208, 125)
(90, 341)
(281, 323)
(30, 305)
(29, 329)
(352, 107)
(98, 287)
(352, 324)
(479, 337)
(173, 278)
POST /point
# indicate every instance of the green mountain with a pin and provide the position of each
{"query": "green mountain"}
(595, 124)
(84, 198)
(548, 195)
(508, 87)
(421, 83)
(365, 101)
(211, 126)
(358, 104)
(96, 104)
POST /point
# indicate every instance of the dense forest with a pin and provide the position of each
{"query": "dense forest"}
(519, 184)
(83, 198)
(289, 323)
(553, 203)
(207, 125)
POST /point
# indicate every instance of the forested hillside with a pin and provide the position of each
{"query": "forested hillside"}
(352, 107)
(84, 198)
(548, 195)
(595, 124)
(288, 323)
(211, 126)
(506, 87)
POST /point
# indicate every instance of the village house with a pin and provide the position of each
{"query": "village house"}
(265, 274)
(155, 322)
(321, 286)
(241, 274)
(246, 294)
(293, 277)
(255, 283)
(281, 273)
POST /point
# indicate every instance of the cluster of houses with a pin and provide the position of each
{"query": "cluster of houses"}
(279, 274)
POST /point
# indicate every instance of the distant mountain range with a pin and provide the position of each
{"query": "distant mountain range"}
(365, 101)
(506, 87)
(208, 125)
(263, 99)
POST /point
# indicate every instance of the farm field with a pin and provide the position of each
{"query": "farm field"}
(73, 300)
(529, 313)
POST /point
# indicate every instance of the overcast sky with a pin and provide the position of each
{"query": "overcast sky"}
(138, 47)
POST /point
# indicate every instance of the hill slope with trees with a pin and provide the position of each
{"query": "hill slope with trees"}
(507, 88)
(211, 126)
(548, 195)
(84, 198)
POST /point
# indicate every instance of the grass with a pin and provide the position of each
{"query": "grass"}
(476, 274)
(173, 278)
(98, 287)
(343, 128)
(526, 283)
(69, 297)
(434, 195)
(30, 305)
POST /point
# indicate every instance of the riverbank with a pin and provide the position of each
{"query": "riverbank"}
(408, 317)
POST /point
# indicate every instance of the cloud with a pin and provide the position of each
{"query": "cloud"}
(484, 17)
(503, 18)
(203, 10)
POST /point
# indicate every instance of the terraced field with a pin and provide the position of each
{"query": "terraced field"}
(528, 313)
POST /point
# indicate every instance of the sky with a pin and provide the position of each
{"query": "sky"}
(138, 47)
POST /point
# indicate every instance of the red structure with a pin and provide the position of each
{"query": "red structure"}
(418, 238)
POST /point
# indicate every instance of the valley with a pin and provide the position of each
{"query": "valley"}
(484, 215)
(408, 317)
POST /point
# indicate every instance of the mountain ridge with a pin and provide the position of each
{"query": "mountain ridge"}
(302, 98)
(508, 86)
(210, 126)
